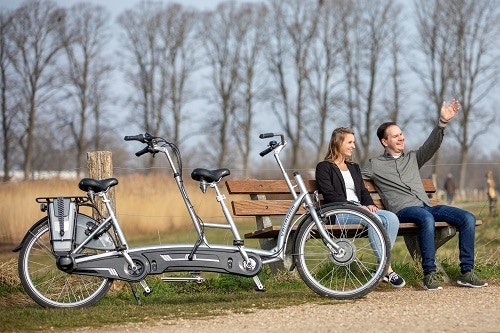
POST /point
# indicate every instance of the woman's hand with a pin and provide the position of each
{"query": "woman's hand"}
(371, 208)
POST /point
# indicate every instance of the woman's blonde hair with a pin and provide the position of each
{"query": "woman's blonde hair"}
(338, 136)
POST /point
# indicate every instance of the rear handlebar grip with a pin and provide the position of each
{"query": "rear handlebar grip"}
(138, 137)
(266, 135)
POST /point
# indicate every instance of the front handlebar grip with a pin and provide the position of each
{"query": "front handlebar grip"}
(266, 135)
(138, 137)
(142, 151)
(266, 151)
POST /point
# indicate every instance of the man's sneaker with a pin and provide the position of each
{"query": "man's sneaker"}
(431, 282)
(395, 280)
(470, 279)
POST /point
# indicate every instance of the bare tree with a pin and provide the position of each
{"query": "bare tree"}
(159, 44)
(475, 30)
(142, 45)
(351, 45)
(435, 45)
(252, 22)
(221, 35)
(393, 103)
(6, 95)
(292, 34)
(87, 67)
(458, 48)
(180, 62)
(366, 47)
(323, 78)
(36, 36)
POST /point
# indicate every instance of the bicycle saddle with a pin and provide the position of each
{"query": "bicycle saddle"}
(87, 184)
(209, 176)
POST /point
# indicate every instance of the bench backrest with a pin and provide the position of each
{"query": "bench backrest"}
(272, 197)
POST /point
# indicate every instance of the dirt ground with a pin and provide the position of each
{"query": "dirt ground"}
(453, 309)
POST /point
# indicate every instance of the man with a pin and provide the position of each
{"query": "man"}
(396, 176)
(449, 187)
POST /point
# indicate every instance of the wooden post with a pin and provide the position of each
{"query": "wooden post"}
(100, 165)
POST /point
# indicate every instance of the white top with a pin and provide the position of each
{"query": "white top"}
(349, 186)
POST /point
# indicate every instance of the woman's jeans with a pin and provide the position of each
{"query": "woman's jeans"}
(426, 216)
(391, 224)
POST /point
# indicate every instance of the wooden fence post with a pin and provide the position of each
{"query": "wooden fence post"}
(100, 165)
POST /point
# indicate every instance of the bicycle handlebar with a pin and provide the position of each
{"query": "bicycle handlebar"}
(143, 138)
(273, 144)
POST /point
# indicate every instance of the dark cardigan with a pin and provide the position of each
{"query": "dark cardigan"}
(332, 186)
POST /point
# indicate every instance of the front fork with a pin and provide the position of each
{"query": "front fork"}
(329, 242)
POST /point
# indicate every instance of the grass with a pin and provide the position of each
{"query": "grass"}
(219, 294)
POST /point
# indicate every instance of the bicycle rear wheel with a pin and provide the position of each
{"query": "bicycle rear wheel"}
(49, 286)
(356, 271)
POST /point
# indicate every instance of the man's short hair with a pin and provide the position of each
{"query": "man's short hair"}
(382, 128)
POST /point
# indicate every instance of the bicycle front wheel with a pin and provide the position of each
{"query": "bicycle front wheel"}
(49, 286)
(355, 270)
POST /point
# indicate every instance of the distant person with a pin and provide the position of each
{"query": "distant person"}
(449, 187)
(396, 176)
(491, 192)
(339, 180)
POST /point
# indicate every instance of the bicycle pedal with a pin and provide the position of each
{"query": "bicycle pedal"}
(146, 288)
(258, 285)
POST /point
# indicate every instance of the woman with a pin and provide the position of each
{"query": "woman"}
(339, 180)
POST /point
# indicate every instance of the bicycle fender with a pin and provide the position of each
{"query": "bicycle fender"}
(104, 242)
(41, 221)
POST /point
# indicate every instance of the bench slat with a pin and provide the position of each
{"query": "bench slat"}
(262, 207)
(275, 207)
(404, 229)
(257, 186)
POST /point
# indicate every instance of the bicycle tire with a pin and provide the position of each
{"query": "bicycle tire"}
(359, 270)
(46, 284)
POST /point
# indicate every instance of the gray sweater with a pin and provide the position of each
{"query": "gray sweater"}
(398, 180)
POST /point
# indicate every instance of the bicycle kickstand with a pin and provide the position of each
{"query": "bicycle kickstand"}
(146, 291)
(135, 293)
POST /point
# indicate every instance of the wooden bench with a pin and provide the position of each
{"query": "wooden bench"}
(271, 198)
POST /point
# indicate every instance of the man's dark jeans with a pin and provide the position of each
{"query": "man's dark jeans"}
(426, 216)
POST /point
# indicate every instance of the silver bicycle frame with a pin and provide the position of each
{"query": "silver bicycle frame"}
(277, 253)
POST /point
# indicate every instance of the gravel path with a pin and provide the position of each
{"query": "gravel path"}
(453, 309)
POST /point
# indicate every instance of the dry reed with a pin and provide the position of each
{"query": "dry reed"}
(145, 204)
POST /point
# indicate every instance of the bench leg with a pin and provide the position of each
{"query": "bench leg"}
(268, 243)
(442, 235)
